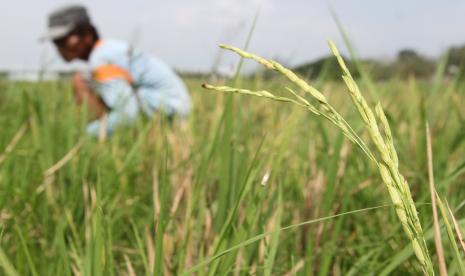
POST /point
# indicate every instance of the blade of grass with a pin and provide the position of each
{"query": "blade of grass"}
(457, 228)
(245, 187)
(357, 268)
(403, 255)
(16, 138)
(450, 234)
(246, 45)
(261, 236)
(437, 231)
(353, 55)
(8, 268)
(140, 249)
(30, 262)
(274, 241)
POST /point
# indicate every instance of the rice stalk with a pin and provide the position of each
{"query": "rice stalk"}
(436, 226)
(9, 148)
(386, 158)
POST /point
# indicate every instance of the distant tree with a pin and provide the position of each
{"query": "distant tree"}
(456, 61)
(326, 67)
(407, 54)
(409, 63)
(456, 56)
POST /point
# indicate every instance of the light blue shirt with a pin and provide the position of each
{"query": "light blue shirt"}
(129, 81)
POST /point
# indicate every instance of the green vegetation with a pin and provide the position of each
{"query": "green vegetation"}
(387, 160)
(246, 186)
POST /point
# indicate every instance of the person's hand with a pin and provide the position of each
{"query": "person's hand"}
(79, 85)
(83, 94)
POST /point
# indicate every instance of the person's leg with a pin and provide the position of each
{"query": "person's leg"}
(83, 94)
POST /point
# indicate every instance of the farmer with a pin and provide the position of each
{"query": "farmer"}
(121, 81)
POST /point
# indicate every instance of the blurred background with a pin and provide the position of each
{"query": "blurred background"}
(186, 33)
(208, 195)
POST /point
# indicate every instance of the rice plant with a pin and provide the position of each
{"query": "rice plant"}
(385, 159)
(243, 187)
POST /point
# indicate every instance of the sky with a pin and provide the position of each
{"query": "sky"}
(185, 33)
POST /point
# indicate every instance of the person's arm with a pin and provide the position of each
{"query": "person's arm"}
(122, 102)
(84, 95)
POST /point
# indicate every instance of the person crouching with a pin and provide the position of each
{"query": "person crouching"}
(120, 81)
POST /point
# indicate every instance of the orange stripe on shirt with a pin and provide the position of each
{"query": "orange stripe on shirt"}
(109, 72)
(98, 43)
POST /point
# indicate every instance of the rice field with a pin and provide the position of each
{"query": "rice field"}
(245, 186)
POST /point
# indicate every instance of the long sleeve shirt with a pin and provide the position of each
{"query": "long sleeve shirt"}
(129, 81)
